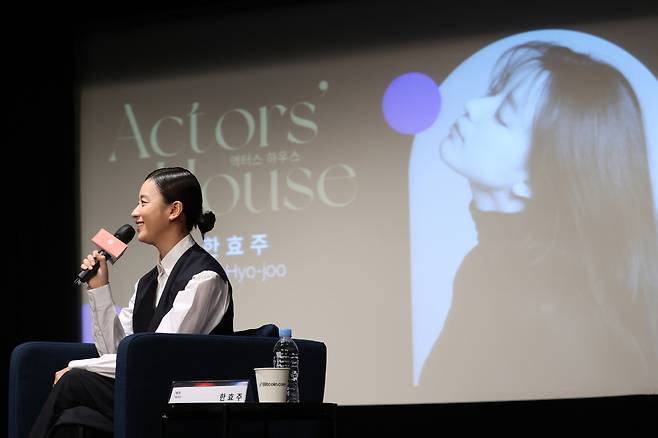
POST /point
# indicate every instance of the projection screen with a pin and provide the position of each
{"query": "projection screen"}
(458, 219)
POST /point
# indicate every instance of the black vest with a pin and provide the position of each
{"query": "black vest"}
(147, 317)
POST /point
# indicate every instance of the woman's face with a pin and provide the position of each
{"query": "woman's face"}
(151, 214)
(490, 143)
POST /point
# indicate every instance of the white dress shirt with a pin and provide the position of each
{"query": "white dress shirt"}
(196, 309)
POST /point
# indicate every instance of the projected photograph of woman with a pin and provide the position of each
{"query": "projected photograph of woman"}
(558, 295)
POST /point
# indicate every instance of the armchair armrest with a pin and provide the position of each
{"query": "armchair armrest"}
(31, 374)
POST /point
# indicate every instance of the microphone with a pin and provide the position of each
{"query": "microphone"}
(112, 247)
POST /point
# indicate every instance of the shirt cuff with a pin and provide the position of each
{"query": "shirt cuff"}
(104, 365)
(101, 296)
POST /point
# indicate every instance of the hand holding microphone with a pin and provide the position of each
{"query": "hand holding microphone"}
(94, 266)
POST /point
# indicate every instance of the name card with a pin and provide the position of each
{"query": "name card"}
(209, 391)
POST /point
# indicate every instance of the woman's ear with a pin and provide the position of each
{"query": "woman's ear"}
(522, 190)
(175, 210)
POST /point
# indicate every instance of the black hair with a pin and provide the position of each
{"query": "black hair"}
(179, 184)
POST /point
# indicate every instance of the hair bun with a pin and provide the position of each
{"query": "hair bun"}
(206, 222)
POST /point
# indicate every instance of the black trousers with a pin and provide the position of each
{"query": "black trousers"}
(76, 388)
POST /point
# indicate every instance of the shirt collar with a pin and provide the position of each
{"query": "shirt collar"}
(169, 260)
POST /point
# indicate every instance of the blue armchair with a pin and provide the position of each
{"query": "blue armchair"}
(147, 363)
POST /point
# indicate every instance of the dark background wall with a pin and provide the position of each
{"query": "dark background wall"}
(46, 52)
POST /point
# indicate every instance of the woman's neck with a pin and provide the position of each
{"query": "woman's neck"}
(167, 242)
(503, 201)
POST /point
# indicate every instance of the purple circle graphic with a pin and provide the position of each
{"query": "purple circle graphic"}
(411, 103)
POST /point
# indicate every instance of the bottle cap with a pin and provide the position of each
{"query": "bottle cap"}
(285, 332)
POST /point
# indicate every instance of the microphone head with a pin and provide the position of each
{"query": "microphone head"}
(114, 245)
(125, 233)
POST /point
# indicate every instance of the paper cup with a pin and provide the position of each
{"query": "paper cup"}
(272, 384)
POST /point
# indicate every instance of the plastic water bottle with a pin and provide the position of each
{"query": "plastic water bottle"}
(286, 355)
